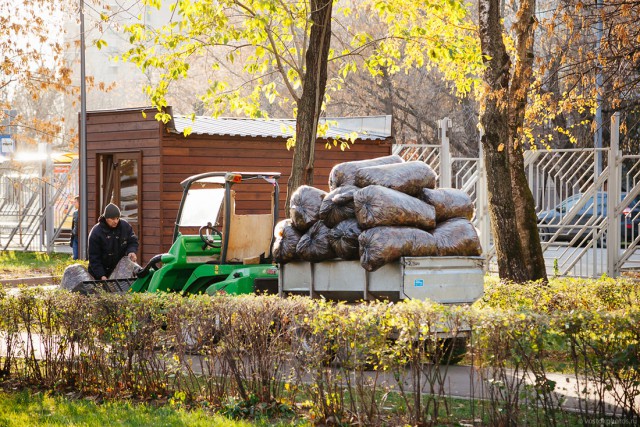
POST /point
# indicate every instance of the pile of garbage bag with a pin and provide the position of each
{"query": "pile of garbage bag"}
(378, 210)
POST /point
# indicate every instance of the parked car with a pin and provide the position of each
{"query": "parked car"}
(579, 229)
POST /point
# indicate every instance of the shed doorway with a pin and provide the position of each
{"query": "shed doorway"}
(120, 179)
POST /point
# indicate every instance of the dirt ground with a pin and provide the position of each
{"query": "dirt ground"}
(8, 274)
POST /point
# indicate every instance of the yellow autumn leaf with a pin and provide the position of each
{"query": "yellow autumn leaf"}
(500, 147)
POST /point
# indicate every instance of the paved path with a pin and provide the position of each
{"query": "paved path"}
(467, 382)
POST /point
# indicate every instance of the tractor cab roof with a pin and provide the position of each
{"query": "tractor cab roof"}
(222, 177)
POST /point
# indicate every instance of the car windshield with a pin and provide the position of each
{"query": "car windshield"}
(566, 205)
(202, 205)
(601, 205)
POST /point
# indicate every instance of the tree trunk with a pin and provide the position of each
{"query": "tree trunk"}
(310, 104)
(510, 211)
(470, 147)
(387, 87)
(518, 94)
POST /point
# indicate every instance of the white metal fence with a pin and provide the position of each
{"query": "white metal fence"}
(588, 202)
(35, 205)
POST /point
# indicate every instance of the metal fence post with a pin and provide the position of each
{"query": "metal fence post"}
(444, 126)
(50, 225)
(482, 205)
(46, 208)
(613, 199)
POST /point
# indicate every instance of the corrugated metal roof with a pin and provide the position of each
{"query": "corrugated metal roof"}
(368, 128)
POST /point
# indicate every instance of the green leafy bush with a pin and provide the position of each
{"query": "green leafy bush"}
(373, 363)
(561, 294)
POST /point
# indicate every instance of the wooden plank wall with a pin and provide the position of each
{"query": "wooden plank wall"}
(119, 131)
(183, 157)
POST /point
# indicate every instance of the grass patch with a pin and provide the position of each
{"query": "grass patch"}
(454, 411)
(16, 265)
(25, 409)
(28, 409)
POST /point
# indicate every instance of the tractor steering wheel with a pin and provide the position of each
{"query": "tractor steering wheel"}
(206, 234)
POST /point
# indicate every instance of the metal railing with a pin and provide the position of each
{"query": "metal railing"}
(35, 205)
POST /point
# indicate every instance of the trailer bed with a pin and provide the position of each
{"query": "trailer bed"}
(446, 280)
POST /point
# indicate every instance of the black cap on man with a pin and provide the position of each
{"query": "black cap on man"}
(111, 211)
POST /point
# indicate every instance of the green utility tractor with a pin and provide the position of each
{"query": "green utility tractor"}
(230, 253)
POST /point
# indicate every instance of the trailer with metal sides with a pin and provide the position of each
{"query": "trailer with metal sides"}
(446, 280)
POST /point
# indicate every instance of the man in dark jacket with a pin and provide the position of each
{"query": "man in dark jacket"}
(110, 240)
(74, 228)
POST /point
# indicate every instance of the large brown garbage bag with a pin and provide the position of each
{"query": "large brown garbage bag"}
(73, 277)
(382, 245)
(345, 173)
(377, 206)
(449, 203)
(304, 206)
(409, 177)
(343, 238)
(338, 205)
(314, 245)
(457, 237)
(286, 240)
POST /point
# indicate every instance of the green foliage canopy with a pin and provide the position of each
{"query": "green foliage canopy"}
(268, 39)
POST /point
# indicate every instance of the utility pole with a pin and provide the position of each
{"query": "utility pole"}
(444, 127)
(83, 211)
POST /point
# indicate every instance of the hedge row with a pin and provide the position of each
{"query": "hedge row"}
(372, 363)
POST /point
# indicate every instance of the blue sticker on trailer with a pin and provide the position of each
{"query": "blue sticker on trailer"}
(418, 283)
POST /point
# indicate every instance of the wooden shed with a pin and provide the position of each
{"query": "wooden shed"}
(138, 163)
